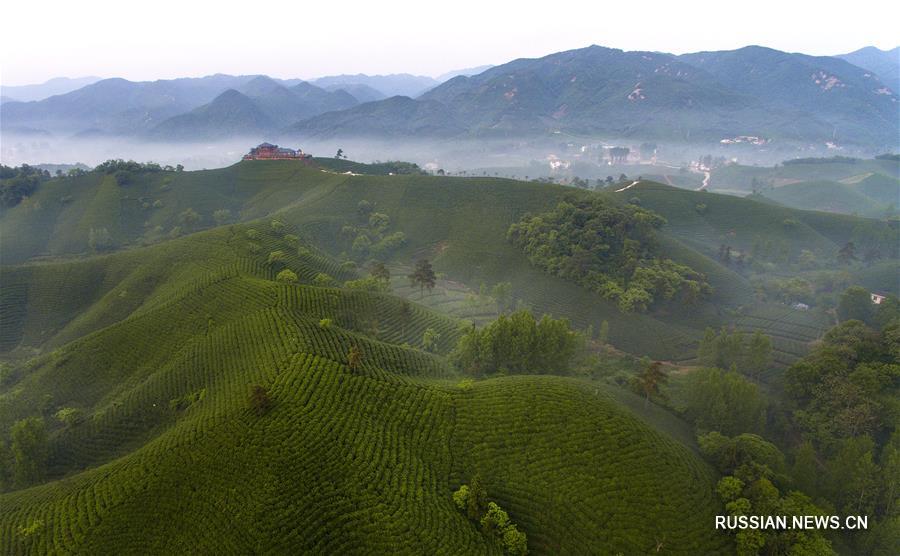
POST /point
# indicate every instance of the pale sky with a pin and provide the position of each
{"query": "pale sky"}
(298, 38)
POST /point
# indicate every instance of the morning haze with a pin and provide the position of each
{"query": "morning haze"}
(480, 278)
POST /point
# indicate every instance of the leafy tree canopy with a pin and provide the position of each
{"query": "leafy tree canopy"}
(609, 249)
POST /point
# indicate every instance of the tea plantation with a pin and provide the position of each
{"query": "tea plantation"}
(213, 378)
(352, 457)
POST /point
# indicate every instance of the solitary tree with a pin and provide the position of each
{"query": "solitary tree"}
(189, 218)
(380, 272)
(476, 502)
(603, 335)
(847, 253)
(855, 304)
(354, 357)
(430, 339)
(759, 353)
(424, 276)
(287, 276)
(259, 400)
(502, 294)
(340, 154)
(651, 378)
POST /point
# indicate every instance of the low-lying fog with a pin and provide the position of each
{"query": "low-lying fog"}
(565, 155)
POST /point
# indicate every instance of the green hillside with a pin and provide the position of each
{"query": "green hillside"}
(58, 218)
(458, 223)
(748, 178)
(870, 197)
(158, 348)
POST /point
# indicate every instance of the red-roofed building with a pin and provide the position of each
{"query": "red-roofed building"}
(268, 151)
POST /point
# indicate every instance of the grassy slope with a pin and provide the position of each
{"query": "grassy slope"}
(735, 176)
(828, 196)
(739, 222)
(58, 218)
(347, 461)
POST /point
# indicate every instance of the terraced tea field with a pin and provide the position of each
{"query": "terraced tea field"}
(792, 330)
(353, 457)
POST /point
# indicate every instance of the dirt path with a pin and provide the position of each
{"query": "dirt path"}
(627, 187)
(705, 183)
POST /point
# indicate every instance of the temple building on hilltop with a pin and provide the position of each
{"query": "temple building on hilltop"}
(268, 151)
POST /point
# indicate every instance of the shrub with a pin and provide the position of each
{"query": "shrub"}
(222, 216)
(323, 280)
(287, 276)
(70, 416)
(259, 401)
(276, 257)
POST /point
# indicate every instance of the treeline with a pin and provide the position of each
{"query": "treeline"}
(609, 249)
(826, 442)
(821, 160)
(729, 349)
(18, 182)
(124, 170)
(844, 404)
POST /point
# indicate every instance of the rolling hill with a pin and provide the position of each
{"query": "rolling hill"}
(830, 196)
(459, 223)
(159, 349)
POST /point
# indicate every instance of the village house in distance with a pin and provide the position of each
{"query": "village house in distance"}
(268, 151)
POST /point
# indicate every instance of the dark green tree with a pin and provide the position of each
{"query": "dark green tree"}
(855, 304)
(423, 275)
(30, 450)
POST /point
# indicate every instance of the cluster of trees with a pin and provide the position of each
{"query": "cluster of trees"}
(724, 401)
(609, 249)
(124, 170)
(733, 349)
(856, 304)
(838, 422)
(378, 280)
(821, 160)
(369, 236)
(23, 460)
(755, 483)
(519, 344)
(472, 499)
(19, 182)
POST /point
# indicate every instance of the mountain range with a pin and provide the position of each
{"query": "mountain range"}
(884, 63)
(40, 91)
(589, 92)
(710, 96)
